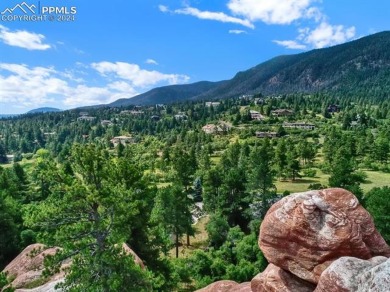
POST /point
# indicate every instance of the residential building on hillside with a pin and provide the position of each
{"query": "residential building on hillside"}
(106, 123)
(255, 115)
(299, 125)
(86, 118)
(212, 103)
(266, 134)
(181, 116)
(122, 139)
(211, 129)
(282, 112)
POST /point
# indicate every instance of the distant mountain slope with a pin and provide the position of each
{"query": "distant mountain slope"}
(360, 68)
(43, 110)
(167, 94)
(362, 65)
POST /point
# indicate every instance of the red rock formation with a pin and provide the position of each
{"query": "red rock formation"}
(28, 265)
(353, 274)
(137, 259)
(275, 279)
(243, 287)
(305, 232)
(220, 286)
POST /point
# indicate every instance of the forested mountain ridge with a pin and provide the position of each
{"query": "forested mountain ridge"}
(169, 94)
(359, 68)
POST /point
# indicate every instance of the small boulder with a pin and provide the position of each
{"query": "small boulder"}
(356, 275)
(275, 279)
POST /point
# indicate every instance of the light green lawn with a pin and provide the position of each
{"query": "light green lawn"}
(374, 179)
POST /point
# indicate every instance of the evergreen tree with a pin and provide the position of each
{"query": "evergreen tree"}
(87, 214)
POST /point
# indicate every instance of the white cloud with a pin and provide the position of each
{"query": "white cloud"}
(237, 31)
(24, 87)
(163, 8)
(324, 35)
(137, 76)
(270, 11)
(218, 16)
(291, 44)
(23, 39)
(151, 61)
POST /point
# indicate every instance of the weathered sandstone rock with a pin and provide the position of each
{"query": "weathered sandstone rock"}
(275, 279)
(28, 266)
(305, 232)
(220, 286)
(243, 287)
(356, 275)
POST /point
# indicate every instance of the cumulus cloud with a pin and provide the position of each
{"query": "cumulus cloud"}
(328, 35)
(270, 11)
(209, 15)
(23, 86)
(23, 39)
(237, 31)
(137, 76)
(151, 61)
(163, 8)
(324, 35)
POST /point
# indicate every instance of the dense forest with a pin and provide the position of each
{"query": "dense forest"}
(158, 177)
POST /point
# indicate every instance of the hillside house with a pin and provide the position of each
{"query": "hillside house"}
(212, 103)
(266, 134)
(181, 116)
(131, 112)
(106, 123)
(282, 113)
(211, 129)
(123, 140)
(299, 125)
(255, 115)
(86, 118)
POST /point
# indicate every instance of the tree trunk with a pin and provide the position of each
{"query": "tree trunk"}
(188, 240)
(177, 245)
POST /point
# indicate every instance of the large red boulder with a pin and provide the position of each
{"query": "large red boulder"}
(275, 279)
(305, 232)
(219, 286)
(357, 275)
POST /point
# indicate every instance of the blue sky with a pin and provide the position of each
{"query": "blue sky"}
(104, 50)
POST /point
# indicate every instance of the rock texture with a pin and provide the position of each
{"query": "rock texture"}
(28, 266)
(275, 279)
(320, 237)
(353, 274)
(305, 232)
(220, 286)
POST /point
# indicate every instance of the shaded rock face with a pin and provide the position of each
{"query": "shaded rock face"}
(305, 232)
(353, 274)
(275, 279)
